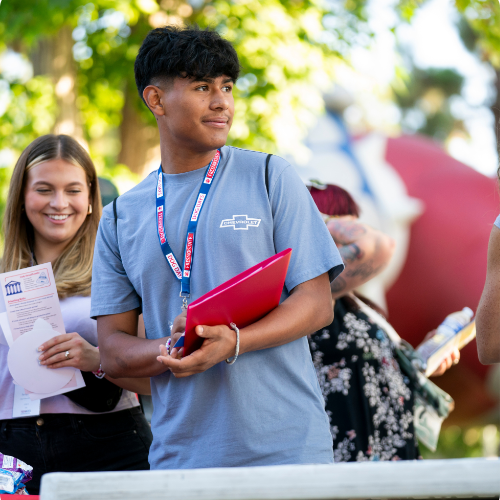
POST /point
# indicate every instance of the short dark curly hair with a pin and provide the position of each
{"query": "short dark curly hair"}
(172, 51)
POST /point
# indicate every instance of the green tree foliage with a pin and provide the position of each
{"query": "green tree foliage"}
(288, 51)
(472, 442)
(423, 95)
(483, 17)
(424, 101)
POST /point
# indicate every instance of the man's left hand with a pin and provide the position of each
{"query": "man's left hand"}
(219, 344)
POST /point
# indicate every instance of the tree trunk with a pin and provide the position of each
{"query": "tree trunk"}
(139, 141)
(54, 57)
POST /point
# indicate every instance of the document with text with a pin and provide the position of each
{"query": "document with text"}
(30, 314)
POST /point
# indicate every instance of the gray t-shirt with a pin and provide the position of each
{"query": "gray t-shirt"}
(267, 408)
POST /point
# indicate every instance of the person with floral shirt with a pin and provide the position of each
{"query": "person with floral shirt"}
(369, 400)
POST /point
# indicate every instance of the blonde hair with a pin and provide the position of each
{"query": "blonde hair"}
(73, 268)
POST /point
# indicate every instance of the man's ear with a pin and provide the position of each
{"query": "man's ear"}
(152, 95)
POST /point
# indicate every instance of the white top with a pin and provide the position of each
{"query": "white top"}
(76, 315)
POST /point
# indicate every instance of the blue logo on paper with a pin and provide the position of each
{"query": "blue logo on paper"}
(13, 287)
(240, 222)
(42, 279)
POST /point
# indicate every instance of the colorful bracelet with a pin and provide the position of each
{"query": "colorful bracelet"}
(99, 373)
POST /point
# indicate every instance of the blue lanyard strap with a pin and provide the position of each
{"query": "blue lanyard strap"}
(183, 274)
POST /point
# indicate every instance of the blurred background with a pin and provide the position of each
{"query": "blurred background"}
(396, 101)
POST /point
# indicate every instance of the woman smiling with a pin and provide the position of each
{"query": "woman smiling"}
(52, 215)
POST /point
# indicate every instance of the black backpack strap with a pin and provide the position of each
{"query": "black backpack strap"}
(114, 209)
(267, 173)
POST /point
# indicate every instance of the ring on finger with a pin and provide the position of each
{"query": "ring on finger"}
(66, 354)
(455, 361)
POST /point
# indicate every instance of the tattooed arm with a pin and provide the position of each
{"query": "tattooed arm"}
(365, 251)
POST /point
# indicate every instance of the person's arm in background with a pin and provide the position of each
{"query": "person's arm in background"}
(365, 251)
(488, 311)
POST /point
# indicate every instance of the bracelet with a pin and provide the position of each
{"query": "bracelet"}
(99, 373)
(236, 329)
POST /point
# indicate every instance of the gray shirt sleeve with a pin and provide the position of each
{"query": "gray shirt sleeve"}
(497, 222)
(298, 225)
(112, 291)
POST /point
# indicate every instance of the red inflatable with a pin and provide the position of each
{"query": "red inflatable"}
(446, 264)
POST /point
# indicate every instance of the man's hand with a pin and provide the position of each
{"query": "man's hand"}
(307, 309)
(219, 344)
(178, 328)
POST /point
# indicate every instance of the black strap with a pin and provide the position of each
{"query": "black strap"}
(114, 209)
(267, 173)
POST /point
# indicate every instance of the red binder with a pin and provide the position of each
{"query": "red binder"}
(242, 300)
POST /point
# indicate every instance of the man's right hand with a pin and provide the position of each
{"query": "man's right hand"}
(178, 328)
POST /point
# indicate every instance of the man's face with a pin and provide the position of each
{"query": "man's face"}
(198, 113)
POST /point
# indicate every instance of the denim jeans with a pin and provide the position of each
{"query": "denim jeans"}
(78, 443)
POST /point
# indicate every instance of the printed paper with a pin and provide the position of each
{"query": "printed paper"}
(28, 295)
(23, 405)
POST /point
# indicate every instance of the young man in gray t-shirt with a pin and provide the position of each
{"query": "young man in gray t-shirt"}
(266, 408)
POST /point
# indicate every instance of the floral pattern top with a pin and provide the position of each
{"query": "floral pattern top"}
(368, 400)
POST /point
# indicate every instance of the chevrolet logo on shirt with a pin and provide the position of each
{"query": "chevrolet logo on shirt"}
(240, 222)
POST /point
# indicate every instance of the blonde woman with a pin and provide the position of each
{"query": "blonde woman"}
(52, 215)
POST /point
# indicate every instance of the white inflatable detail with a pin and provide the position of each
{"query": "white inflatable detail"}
(374, 184)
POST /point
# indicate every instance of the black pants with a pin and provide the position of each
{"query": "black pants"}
(78, 443)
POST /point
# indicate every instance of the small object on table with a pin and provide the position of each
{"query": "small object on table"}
(14, 475)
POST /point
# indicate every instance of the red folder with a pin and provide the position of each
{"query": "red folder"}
(242, 300)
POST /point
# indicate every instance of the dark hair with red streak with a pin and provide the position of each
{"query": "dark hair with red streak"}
(334, 201)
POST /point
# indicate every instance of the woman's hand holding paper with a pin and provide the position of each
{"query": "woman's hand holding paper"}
(81, 354)
(219, 344)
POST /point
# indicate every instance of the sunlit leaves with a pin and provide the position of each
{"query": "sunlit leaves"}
(288, 55)
(483, 17)
(29, 113)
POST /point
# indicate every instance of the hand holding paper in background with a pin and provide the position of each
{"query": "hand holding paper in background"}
(25, 368)
(30, 315)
